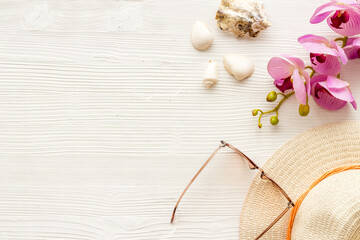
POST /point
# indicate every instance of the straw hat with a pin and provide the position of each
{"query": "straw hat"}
(331, 209)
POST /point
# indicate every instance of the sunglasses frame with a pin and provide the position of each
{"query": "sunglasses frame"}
(252, 166)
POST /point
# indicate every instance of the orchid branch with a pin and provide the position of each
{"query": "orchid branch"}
(274, 120)
(343, 40)
(312, 71)
(327, 58)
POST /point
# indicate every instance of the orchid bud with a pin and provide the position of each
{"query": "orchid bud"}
(255, 112)
(271, 97)
(274, 120)
(304, 110)
(260, 125)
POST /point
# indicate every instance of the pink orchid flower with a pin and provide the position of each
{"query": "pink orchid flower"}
(344, 19)
(331, 93)
(324, 54)
(289, 73)
(352, 48)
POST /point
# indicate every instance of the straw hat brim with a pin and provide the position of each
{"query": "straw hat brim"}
(294, 167)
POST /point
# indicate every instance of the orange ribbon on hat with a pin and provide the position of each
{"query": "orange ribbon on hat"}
(302, 197)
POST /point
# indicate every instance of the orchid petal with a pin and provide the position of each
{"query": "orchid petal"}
(317, 44)
(317, 79)
(352, 51)
(352, 48)
(322, 12)
(327, 101)
(299, 87)
(322, 96)
(353, 103)
(350, 41)
(354, 41)
(351, 27)
(279, 68)
(340, 51)
(283, 84)
(336, 83)
(296, 61)
(331, 66)
(340, 93)
(307, 81)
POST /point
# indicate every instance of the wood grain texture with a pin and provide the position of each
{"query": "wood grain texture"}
(104, 118)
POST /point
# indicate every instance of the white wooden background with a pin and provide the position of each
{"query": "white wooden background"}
(104, 119)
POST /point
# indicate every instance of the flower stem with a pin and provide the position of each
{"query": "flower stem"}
(282, 100)
(343, 39)
(312, 71)
(276, 109)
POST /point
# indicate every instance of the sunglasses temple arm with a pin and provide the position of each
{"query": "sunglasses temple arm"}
(275, 221)
(251, 164)
(193, 179)
(282, 191)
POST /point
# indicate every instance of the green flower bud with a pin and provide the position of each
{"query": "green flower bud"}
(255, 112)
(274, 120)
(260, 125)
(271, 97)
(304, 110)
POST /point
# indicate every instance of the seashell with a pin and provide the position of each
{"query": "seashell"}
(242, 17)
(211, 74)
(201, 36)
(238, 66)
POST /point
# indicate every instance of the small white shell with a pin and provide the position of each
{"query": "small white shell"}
(201, 36)
(238, 66)
(211, 74)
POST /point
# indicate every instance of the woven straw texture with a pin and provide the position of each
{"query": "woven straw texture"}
(294, 167)
(331, 210)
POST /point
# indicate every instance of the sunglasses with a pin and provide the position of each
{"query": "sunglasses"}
(252, 166)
